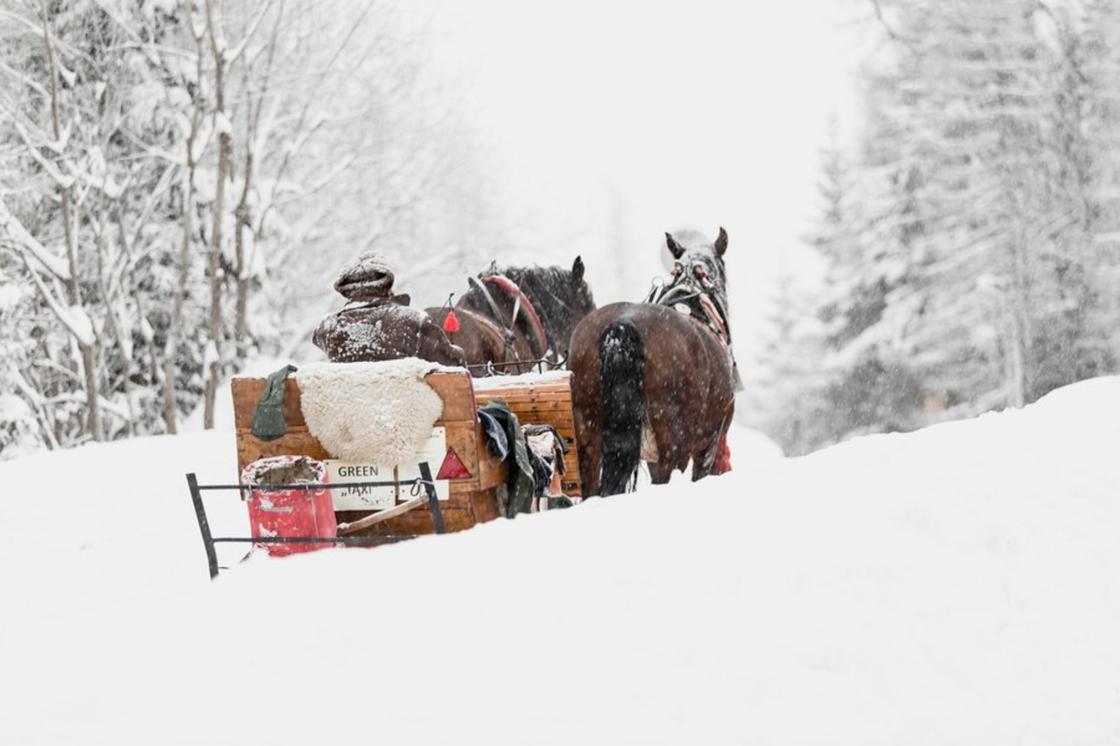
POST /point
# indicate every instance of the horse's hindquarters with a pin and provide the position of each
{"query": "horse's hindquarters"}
(687, 390)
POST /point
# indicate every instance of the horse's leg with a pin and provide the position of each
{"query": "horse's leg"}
(659, 473)
(722, 461)
(591, 461)
(668, 424)
(716, 458)
(701, 464)
(588, 422)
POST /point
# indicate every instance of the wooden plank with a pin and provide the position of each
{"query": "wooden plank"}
(543, 399)
(418, 521)
(246, 393)
(514, 393)
(481, 387)
(297, 441)
(560, 410)
(457, 394)
(531, 416)
(381, 516)
(485, 505)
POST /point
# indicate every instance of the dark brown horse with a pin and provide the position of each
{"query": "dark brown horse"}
(513, 316)
(655, 381)
(488, 346)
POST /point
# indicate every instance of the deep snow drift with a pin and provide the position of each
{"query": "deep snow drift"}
(956, 585)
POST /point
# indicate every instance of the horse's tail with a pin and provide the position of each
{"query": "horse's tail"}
(621, 357)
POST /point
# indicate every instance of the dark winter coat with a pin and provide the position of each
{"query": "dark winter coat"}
(384, 329)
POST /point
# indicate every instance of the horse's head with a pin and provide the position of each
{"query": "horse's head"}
(700, 264)
(562, 297)
(699, 279)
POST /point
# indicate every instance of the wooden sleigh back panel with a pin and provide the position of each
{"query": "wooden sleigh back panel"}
(472, 500)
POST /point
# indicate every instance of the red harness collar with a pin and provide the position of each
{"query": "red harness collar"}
(510, 287)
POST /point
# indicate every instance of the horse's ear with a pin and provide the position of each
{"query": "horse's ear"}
(721, 242)
(577, 270)
(674, 248)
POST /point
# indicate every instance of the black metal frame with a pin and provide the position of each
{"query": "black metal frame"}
(210, 541)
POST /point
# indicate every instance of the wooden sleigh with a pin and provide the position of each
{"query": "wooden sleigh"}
(536, 399)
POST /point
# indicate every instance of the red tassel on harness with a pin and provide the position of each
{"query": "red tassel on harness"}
(451, 322)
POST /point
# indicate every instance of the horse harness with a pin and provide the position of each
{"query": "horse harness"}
(521, 306)
(695, 285)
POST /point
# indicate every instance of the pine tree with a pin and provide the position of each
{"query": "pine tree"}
(784, 397)
(971, 242)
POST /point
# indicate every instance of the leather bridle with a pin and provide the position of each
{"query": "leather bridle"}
(692, 282)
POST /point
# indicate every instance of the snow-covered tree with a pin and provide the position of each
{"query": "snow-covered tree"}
(173, 173)
(970, 238)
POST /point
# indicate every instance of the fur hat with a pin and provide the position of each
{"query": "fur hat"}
(367, 279)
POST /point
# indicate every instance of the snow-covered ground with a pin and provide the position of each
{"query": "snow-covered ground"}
(952, 586)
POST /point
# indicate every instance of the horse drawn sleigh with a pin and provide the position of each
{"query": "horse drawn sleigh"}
(409, 432)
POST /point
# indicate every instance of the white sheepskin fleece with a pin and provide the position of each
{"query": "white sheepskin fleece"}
(377, 413)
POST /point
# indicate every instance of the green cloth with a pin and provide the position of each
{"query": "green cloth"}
(519, 483)
(268, 418)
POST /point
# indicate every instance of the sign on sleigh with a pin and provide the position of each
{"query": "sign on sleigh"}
(433, 451)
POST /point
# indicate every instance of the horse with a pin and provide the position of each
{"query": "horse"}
(512, 317)
(655, 381)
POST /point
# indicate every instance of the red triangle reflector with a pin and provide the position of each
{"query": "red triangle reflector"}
(452, 467)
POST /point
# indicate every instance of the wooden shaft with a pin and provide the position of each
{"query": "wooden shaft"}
(384, 515)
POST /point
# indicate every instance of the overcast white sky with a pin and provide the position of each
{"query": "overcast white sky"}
(610, 122)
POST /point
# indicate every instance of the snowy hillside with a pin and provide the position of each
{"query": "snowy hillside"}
(954, 585)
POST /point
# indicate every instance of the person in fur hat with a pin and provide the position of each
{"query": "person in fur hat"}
(377, 324)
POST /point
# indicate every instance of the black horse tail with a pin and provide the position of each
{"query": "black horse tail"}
(621, 358)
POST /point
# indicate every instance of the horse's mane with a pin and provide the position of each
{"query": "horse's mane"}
(549, 289)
